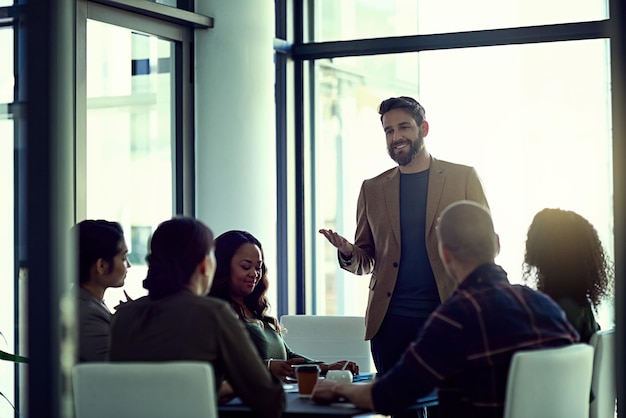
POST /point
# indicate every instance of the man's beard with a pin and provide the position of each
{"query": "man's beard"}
(405, 158)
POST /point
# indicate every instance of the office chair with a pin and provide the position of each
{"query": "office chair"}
(550, 383)
(603, 377)
(329, 338)
(155, 390)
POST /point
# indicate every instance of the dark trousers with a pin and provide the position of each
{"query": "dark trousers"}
(388, 345)
(392, 339)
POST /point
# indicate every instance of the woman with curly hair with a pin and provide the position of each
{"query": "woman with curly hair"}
(565, 257)
(241, 279)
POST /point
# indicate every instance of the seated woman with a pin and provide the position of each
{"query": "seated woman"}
(102, 263)
(241, 279)
(176, 321)
(565, 257)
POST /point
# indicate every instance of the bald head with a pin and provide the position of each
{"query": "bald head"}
(466, 233)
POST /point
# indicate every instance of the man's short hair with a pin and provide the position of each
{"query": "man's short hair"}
(406, 103)
(466, 229)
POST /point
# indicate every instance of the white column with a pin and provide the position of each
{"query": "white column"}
(235, 120)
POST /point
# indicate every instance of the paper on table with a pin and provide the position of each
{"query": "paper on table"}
(290, 388)
(347, 405)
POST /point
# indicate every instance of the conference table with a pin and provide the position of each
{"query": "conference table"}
(298, 407)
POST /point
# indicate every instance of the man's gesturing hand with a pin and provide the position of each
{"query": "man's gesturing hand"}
(344, 246)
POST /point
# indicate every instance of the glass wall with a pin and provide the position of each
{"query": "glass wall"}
(535, 121)
(7, 254)
(130, 138)
(133, 142)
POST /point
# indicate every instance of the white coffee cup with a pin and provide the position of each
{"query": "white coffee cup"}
(344, 376)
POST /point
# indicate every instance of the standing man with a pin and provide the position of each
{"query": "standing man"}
(466, 346)
(395, 236)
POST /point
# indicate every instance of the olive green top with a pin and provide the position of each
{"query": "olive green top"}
(184, 326)
(581, 318)
(269, 342)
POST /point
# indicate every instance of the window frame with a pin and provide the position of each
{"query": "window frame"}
(182, 36)
(304, 96)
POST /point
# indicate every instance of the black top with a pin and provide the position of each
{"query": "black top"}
(415, 294)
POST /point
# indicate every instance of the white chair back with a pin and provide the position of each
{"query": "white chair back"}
(329, 338)
(550, 383)
(155, 390)
(603, 378)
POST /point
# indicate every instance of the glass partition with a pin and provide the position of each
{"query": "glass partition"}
(535, 121)
(7, 254)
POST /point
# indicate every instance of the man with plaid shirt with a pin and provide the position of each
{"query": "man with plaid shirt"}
(466, 346)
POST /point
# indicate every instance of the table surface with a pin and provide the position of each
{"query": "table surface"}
(297, 407)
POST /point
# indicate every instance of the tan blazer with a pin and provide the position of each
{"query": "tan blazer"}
(377, 238)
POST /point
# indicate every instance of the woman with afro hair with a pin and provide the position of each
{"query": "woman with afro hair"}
(566, 259)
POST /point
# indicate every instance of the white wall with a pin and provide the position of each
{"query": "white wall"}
(235, 121)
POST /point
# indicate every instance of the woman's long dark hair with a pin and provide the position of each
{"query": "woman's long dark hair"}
(176, 248)
(226, 245)
(565, 256)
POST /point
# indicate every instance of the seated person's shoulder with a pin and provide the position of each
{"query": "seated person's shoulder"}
(174, 301)
(540, 300)
(129, 308)
(216, 305)
(569, 305)
(532, 293)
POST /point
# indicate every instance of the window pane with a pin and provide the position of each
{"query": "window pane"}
(130, 125)
(179, 4)
(355, 19)
(7, 82)
(7, 273)
(533, 119)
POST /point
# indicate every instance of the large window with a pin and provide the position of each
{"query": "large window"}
(534, 119)
(7, 266)
(130, 136)
(130, 114)
(356, 19)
